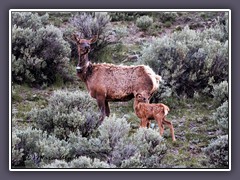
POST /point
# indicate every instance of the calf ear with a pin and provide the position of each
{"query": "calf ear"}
(135, 93)
(94, 39)
(138, 95)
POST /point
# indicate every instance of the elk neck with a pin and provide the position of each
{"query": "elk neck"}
(83, 67)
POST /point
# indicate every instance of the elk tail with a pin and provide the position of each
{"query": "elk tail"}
(158, 78)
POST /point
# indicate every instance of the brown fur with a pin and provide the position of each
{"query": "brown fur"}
(108, 82)
(147, 112)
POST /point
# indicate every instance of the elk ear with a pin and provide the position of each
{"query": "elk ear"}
(94, 39)
(76, 37)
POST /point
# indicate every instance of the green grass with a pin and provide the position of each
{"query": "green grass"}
(24, 99)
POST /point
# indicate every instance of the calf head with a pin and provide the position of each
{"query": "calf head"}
(141, 98)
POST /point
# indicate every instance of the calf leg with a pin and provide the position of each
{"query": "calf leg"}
(159, 119)
(144, 122)
(169, 124)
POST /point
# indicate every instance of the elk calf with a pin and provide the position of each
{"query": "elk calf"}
(147, 112)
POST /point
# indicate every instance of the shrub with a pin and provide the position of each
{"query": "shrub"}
(109, 146)
(39, 52)
(59, 18)
(151, 147)
(132, 162)
(17, 152)
(33, 147)
(221, 116)
(122, 16)
(144, 22)
(67, 111)
(114, 129)
(85, 162)
(110, 133)
(128, 16)
(29, 20)
(167, 24)
(217, 151)
(187, 61)
(68, 36)
(89, 24)
(167, 16)
(220, 92)
(63, 137)
(162, 93)
(114, 145)
(81, 162)
(26, 151)
(50, 147)
(56, 164)
(121, 31)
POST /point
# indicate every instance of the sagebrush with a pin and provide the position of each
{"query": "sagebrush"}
(39, 52)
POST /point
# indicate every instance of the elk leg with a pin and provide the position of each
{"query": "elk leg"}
(169, 124)
(148, 124)
(107, 110)
(102, 108)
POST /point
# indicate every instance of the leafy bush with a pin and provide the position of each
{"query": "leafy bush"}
(81, 162)
(67, 112)
(66, 134)
(57, 164)
(39, 52)
(122, 16)
(89, 24)
(25, 147)
(220, 92)
(144, 22)
(29, 20)
(17, 152)
(217, 151)
(59, 18)
(50, 148)
(93, 23)
(187, 60)
(162, 93)
(127, 16)
(151, 147)
(115, 131)
(221, 116)
(68, 36)
(167, 16)
(103, 145)
(109, 146)
(167, 24)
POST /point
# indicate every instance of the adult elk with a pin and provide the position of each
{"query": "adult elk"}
(147, 112)
(108, 82)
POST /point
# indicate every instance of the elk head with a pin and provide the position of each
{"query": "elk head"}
(83, 49)
(84, 44)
